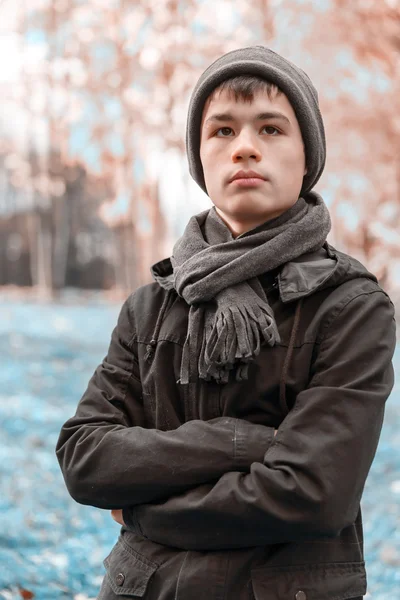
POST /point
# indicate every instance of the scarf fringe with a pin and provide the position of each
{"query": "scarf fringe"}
(233, 341)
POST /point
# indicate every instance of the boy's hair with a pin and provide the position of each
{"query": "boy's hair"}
(244, 87)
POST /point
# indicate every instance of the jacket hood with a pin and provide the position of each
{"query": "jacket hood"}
(298, 278)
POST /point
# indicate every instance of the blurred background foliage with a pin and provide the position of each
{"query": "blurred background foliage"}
(94, 184)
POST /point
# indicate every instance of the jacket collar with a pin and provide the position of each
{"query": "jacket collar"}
(298, 278)
(309, 272)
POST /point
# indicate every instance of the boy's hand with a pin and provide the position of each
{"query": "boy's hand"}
(117, 516)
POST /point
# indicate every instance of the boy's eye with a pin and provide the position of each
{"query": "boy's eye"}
(226, 130)
(271, 127)
(223, 129)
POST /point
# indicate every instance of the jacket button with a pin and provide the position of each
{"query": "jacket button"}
(301, 595)
(120, 578)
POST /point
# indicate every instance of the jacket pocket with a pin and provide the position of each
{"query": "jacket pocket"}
(328, 581)
(128, 573)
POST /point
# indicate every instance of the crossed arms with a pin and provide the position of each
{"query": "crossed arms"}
(228, 483)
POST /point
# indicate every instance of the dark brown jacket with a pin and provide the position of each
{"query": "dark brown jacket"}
(215, 506)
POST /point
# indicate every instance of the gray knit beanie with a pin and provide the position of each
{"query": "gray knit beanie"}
(291, 80)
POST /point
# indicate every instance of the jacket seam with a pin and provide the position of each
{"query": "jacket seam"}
(139, 557)
(131, 309)
(125, 391)
(130, 345)
(144, 341)
(234, 441)
(129, 377)
(281, 345)
(131, 374)
(179, 574)
(337, 311)
(348, 566)
(278, 345)
(276, 442)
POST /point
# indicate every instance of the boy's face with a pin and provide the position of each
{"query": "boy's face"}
(271, 146)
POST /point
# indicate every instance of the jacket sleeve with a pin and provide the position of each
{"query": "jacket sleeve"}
(310, 483)
(110, 460)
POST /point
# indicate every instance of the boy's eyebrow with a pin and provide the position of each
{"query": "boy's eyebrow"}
(221, 117)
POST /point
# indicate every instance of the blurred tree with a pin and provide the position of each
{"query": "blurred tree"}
(360, 94)
(379, 21)
(112, 91)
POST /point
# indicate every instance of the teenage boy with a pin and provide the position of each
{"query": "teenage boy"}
(232, 425)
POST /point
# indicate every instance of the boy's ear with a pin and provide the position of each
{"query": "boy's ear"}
(305, 171)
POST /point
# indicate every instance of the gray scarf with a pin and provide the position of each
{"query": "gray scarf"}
(230, 317)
